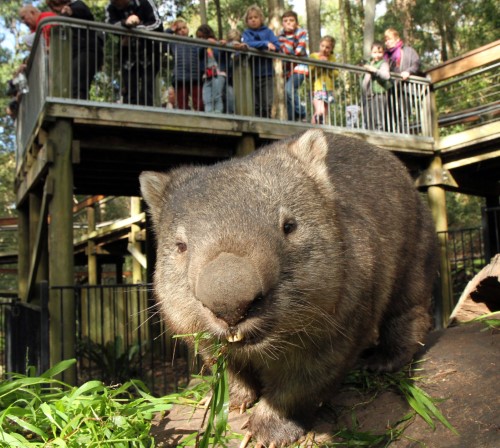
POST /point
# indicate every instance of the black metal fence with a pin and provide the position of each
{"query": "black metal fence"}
(120, 335)
(24, 333)
(470, 249)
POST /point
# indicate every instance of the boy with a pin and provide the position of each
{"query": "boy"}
(262, 38)
(375, 85)
(293, 41)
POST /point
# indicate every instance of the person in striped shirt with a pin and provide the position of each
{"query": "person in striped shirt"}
(293, 41)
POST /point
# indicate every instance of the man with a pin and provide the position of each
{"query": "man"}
(31, 17)
(140, 57)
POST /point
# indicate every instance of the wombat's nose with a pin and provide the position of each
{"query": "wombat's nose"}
(228, 285)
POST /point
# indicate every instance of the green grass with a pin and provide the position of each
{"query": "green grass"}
(491, 321)
(45, 412)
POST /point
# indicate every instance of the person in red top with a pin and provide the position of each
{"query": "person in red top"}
(31, 17)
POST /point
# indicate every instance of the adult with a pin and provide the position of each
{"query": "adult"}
(87, 46)
(140, 57)
(404, 60)
(31, 16)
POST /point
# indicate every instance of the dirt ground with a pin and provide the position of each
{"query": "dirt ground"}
(460, 366)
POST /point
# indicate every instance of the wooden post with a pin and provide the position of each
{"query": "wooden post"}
(436, 194)
(135, 209)
(245, 146)
(62, 314)
(91, 255)
(23, 256)
(437, 202)
(243, 85)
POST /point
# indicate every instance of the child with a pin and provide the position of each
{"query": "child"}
(214, 79)
(323, 80)
(293, 41)
(187, 69)
(262, 38)
(375, 85)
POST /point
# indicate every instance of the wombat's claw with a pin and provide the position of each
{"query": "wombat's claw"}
(246, 439)
(243, 407)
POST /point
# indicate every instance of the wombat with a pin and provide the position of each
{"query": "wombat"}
(305, 257)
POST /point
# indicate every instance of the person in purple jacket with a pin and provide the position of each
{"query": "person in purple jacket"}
(141, 57)
(404, 60)
(260, 37)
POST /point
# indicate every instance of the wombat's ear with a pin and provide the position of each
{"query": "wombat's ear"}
(311, 148)
(153, 186)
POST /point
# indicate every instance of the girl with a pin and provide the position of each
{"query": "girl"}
(187, 68)
(214, 79)
(323, 79)
(259, 36)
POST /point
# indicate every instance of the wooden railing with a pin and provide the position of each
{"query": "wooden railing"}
(105, 68)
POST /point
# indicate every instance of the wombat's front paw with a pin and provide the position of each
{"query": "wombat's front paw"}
(266, 427)
(241, 397)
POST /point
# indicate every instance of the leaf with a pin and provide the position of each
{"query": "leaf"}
(28, 426)
(58, 368)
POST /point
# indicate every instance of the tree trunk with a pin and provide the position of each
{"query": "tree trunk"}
(313, 8)
(369, 28)
(276, 9)
(343, 33)
(219, 19)
(404, 8)
(203, 12)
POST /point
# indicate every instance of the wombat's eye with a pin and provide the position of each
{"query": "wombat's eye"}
(289, 226)
(181, 247)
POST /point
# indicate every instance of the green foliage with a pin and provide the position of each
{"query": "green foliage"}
(491, 321)
(216, 428)
(464, 211)
(43, 411)
(116, 363)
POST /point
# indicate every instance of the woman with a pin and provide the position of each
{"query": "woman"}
(404, 60)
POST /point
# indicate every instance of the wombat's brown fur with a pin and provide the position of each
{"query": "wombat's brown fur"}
(301, 256)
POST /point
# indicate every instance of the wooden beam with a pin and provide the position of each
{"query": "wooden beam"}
(39, 244)
(36, 171)
(474, 59)
(112, 228)
(482, 134)
(471, 160)
(138, 255)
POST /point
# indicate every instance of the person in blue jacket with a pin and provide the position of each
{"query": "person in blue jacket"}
(260, 37)
(141, 57)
